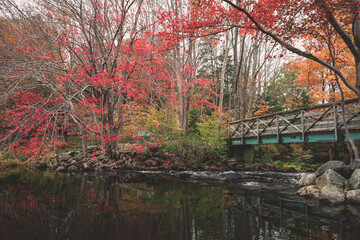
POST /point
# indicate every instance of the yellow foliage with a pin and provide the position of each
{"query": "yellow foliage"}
(139, 117)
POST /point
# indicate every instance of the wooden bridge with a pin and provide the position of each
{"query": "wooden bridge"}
(322, 123)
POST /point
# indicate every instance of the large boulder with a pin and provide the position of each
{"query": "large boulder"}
(332, 194)
(330, 177)
(355, 165)
(307, 180)
(338, 166)
(354, 181)
(353, 196)
(309, 191)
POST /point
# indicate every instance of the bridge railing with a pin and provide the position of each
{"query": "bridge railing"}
(321, 118)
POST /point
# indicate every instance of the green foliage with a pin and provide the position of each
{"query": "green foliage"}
(283, 92)
(194, 118)
(160, 143)
(5, 156)
(189, 147)
(286, 155)
(274, 152)
(347, 185)
(302, 99)
(212, 137)
(268, 98)
(204, 142)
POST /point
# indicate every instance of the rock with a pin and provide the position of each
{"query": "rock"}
(41, 166)
(86, 167)
(102, 158)
(334, 211)
(98, 169)
(106, 166)
(53, 167)
(150, 163)
(307, 180)
(353, 196)
(308, 191)
(355, 165)
(60, 169)
(353, 209)
(291, 170)
(64, 157)
(233, 165)
(92, 149)
(338, 166)
(73, 153)
(330, 177)
(332, 193)
(73, 169)
(354, 181)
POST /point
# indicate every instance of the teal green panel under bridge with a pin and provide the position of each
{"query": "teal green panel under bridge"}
(297, 138)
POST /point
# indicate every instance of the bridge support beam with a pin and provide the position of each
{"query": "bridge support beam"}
(243, 153)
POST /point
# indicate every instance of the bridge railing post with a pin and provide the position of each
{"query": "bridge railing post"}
(335, 113)
(278, 128)
(258, 130)
(229, 134)
(303, 125)
(242, 133)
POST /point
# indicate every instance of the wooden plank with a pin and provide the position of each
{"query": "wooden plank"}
(349, 101)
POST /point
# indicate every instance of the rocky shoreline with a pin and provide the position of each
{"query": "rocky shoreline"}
(133, 161)
(334, 182)
(73, 161)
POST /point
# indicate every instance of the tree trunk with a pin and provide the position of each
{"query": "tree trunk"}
(255, 70)
(357, 67)
(237, 79)
(83, 141)
(351, 141)
(356, 33)
(351, 153)
(222, 79)
(184, 96)
(112, 144)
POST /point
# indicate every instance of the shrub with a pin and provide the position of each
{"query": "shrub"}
(212, 137)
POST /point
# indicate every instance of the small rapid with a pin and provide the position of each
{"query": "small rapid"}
(256, 180)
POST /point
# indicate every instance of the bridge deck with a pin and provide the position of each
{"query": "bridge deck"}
(322, 123)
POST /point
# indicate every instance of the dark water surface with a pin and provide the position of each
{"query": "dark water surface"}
(159, 205)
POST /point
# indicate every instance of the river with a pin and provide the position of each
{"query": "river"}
(166, 205)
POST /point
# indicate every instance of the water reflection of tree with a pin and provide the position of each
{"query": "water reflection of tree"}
(131, 206)
(59, 206)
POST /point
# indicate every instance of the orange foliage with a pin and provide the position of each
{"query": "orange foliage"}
(319, 79)
(263, 110)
